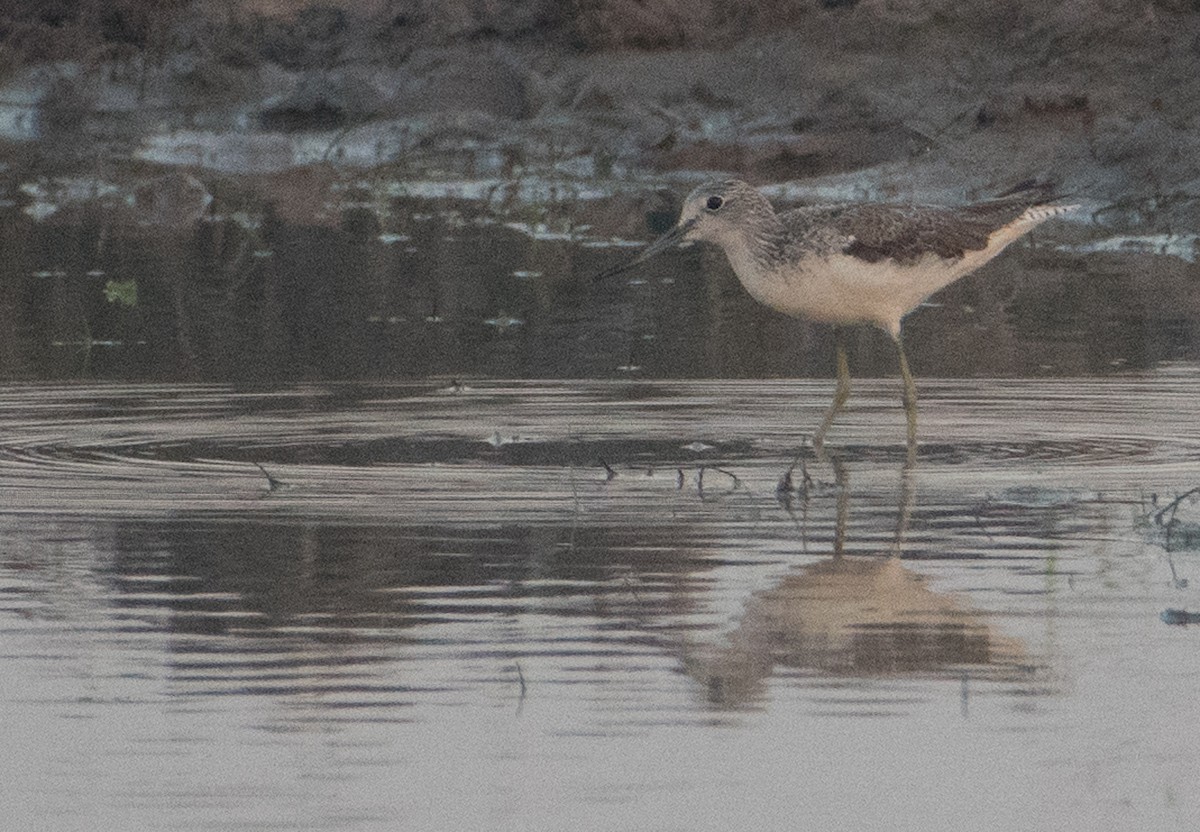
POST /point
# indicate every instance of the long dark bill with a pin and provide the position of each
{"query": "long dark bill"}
(672, 238)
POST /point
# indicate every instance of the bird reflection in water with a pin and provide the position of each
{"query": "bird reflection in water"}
(853, 617)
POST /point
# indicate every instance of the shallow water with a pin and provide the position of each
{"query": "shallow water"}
(312, 525)
(402, 288)
(441, 612)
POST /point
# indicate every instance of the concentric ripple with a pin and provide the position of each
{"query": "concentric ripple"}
(491, 451)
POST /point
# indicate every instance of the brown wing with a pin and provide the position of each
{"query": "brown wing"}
(904, 233)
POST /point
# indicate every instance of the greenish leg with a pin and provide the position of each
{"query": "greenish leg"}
(910, 402)
(908, 494)
(840, 394)
(842, 478)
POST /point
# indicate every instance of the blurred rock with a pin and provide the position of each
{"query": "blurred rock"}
(463, 80)
(884, 97)
(631, 216)
(315, 39)
(64, 106)
(174, 200)
(442, 21)
(322, 101)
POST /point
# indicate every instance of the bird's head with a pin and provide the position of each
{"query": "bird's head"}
(715, 212)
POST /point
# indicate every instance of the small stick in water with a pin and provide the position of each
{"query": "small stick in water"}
(272, 483)
(521, 682)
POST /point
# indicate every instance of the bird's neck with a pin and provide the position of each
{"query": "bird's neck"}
(756, 248)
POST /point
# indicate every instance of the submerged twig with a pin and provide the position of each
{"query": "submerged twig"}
(272, 483)
(1172, 507)
(523, 687)
(1176, 581)
(700, 477)
(977, 516)
(737, 482)
(632, 587)
(1166, 515)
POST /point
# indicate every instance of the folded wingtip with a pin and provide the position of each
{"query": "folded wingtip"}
(1037, 192)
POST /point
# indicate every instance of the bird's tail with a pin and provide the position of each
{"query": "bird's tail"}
(1037, 213)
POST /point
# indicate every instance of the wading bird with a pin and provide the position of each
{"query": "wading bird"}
(853, 263)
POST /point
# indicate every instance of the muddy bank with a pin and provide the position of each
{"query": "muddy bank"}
(545, 104)
(394, 197)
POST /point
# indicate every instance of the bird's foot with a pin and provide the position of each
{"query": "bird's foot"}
(788, 483)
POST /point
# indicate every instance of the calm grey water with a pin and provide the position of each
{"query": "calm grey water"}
(307, 522)
(447, 616)
(407, 288)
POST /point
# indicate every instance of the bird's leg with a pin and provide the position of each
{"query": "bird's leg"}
(842, 478)
(910, 401)
(840, 394)
(908, 493)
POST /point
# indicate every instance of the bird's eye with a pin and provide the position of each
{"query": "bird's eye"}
(714, 202)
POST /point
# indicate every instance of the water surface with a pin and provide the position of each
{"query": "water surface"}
(374, 287)
(442, 612)
(307, 521)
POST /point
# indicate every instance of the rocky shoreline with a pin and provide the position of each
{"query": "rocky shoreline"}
(885, 100)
